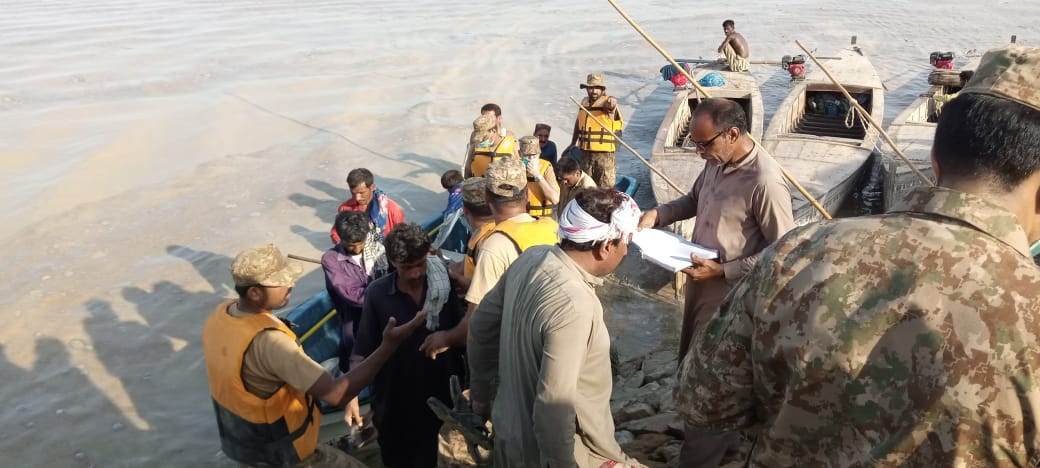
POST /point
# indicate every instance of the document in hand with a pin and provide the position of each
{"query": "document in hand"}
(669, 250)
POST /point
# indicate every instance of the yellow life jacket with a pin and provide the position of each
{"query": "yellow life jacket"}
(482, 157)
(543, 231)
(537, 204)
(591, 136)
(470, 264)
(279, 430)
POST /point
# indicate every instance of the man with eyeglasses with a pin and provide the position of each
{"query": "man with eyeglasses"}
(742, 204)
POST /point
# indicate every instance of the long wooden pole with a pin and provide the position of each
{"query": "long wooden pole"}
(787, 175)
(866, 116)
(752, 62)
(633, 150)
(305, 259)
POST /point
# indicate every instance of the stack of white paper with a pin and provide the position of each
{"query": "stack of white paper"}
(669, 250)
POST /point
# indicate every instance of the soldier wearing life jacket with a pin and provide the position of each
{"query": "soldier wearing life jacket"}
(264, 388)
(486, 145)
(514, 232)
(543, 192)
(597, 145)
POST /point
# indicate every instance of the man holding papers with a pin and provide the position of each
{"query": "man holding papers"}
(742, 204)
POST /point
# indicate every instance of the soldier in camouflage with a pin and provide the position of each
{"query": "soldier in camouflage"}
(905, 339)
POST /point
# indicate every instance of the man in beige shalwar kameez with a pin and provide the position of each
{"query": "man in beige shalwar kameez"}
(742, 204)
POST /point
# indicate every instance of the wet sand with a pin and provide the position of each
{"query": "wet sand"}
(143, 145)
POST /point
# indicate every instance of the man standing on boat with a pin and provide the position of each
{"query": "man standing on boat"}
(264, 387)
(487, 145)
(734, 47)
(597, 147)
(539, 336)
(742, 204)
(364, 196)
(905, 339)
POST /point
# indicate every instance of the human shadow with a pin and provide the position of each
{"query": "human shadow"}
(51, 396)
(427, 164)
(209, 265)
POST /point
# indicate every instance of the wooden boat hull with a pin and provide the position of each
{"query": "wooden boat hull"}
(822, 146)
(681, 163)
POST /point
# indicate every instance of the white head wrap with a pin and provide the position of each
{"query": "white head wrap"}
(578, 226)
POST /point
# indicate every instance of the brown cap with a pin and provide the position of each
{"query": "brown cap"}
(594, 80)
(473, 190)
(484, 123)
(265, 266)
(530, 145)
(1012, 73)
(506, 177)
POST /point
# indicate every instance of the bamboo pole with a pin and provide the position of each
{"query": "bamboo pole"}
(787, 175)
(752, 62)
(866, 116)
(305, 259)
(633, 150)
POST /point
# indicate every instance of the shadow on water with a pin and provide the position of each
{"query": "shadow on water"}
(52, 395)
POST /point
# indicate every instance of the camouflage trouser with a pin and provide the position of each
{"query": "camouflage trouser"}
(601, 167)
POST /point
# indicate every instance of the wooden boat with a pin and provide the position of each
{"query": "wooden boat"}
(317, 324)
(913, 131)
(672, 153)
(819, 140)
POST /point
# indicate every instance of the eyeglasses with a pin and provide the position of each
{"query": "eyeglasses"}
(705, 144)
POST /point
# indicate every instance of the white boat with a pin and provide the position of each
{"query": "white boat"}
(674, 154)
(819, 138)
(913, 131)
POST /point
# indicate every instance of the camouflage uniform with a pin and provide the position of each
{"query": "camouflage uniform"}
(910, 338)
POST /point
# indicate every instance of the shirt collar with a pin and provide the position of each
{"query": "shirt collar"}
(589, 278)
(968, 208)
(747, 161)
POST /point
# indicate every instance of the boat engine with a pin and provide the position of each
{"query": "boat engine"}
(794, 65)
(942, 60)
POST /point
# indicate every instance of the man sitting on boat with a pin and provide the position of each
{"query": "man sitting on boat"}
(548, 146)
(742, 204)
(543, 192)
(264, 387)
(384, 212)
(573, 180)
(734, 47)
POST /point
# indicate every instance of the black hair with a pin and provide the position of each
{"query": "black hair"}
(480, 210)
(966, 75)
(724, 114)
(491, 107)
(450, 178)
(540, 126)
(243, 290)
(360, 176)
(568, 166)
(352, 226)
(729, 23)
(599, 203)
(406, 243)
(986, 137)
(499, 200)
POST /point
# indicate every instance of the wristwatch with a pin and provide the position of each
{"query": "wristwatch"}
(537, 178)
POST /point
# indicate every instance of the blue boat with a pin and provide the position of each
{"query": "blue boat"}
(317, 324)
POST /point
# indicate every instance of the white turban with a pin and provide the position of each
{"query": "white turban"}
(578, 226)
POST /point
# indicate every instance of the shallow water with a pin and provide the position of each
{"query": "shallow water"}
(144, 144)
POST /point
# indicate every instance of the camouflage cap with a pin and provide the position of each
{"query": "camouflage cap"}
(473, 190)
(264, 265)
(1012, 73)
(506, 177)
(530, 145)
(484, 123)
(594, 80)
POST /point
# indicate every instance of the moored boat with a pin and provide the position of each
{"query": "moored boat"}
(820, 139)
